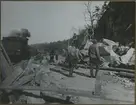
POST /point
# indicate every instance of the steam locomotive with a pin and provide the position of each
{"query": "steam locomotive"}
(17, 48)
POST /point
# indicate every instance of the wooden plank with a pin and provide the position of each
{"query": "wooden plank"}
(18, 77)
(65, 91)
(7, 57)
(66, 69)
(111, 69)
(5, 68)
(105, 69)
(12, 77)
(24, 80)
(118, 70)
(102, 68)
(124, 74)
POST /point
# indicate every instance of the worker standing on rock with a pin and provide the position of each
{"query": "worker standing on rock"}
(94, 57)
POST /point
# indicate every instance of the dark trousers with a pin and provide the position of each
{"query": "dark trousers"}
(72, 64)
(56, 57)
(51, 58)
(94, 64)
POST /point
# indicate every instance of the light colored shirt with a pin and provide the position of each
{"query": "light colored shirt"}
(74, 51)
(94, 51)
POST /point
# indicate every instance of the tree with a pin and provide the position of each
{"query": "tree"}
(90, 15)
(94, 16)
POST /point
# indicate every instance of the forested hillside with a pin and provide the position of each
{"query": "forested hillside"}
(114, 21)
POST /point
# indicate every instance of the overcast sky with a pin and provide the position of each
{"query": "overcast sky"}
(46, 20)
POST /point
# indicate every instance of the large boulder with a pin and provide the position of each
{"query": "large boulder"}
(109, 42)
(129, 56)
(103, 50)
(114, 58)
(132, 59)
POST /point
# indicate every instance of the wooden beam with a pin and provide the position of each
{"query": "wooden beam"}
(51, 89)
(5, 68)
(124, 74)
(65, 91)
(24, 80)
(12, 77)
(6, 57)
(107, 68)
(112, 69)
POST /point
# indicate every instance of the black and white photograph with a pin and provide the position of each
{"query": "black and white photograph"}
(67, 52)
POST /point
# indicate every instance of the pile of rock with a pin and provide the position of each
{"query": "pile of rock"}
(113, 53)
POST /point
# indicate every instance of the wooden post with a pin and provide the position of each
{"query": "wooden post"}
(6, 57)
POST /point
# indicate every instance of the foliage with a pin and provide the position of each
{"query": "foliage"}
(89, 28)
(94, 16)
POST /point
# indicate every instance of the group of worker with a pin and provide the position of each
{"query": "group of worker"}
(73, 56)
(94, 57)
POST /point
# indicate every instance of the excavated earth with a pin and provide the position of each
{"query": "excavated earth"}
(111, 88)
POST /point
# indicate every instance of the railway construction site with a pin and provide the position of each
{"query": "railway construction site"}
(62, 70)
(36, 81)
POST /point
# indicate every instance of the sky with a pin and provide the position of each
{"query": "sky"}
(47, 21)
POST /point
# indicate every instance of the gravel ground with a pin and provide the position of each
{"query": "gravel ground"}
(115, 90)
(111, 86)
